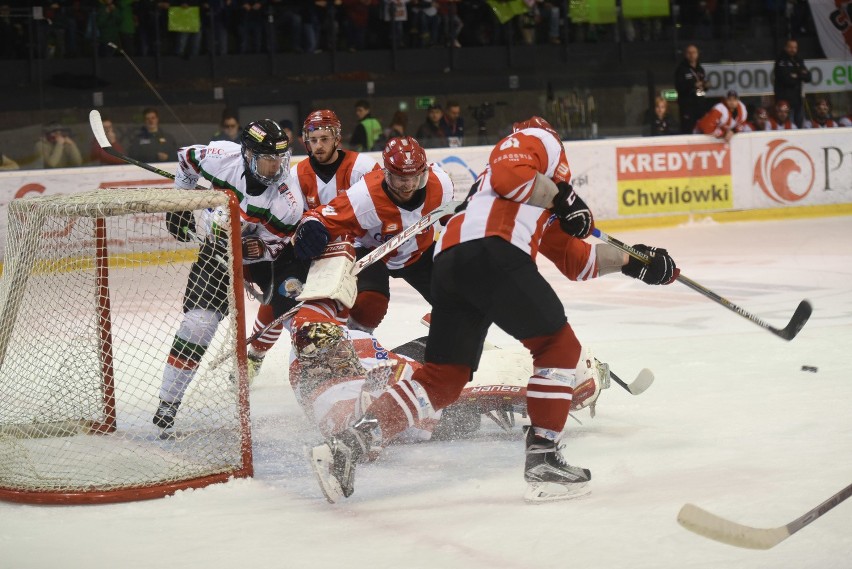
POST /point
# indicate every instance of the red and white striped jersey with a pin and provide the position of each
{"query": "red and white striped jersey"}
(827, 123)
(720, 120)
(352, 168)
(367, 212)
(574, 258)
(786, 125)
(499, 208)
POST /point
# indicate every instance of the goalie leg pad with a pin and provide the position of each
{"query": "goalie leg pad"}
(330, 276)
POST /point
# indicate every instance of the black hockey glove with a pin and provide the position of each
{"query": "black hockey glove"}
(661, 270)
(181, 224)
(311, 239)
(574, 215)
(253, 248)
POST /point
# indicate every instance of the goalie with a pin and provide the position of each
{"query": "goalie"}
(256, 172)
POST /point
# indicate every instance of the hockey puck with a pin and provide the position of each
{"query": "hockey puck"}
(812, 369)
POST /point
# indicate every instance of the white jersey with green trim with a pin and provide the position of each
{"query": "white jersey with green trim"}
(271, 216)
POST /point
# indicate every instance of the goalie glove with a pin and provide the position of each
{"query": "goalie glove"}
(310, 239)
(575, 217)
(660, 270)
(181, 224)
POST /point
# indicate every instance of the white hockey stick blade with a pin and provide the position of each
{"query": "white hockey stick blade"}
(711, 526)
(642, 382)
(97, 126)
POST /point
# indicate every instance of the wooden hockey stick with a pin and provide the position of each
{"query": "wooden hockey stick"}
(702, 522)
(797, 322)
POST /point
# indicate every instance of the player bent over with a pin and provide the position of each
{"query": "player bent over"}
(327, 173)
(484, 272)
(255, 170)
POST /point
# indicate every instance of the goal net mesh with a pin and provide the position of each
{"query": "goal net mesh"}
(90, 299)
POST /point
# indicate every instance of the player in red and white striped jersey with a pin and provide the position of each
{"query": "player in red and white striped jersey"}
(484, 272)
(378, 207)
(782, 119)
(724, 119)
(326, 174)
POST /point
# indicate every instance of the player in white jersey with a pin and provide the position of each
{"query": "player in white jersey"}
(326, 174)
(256, 171)
(484, 272)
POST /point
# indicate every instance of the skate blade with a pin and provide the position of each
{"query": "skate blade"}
(541, 492)
(320, 459)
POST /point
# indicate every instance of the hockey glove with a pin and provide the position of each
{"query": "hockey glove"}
(661, 270)
(253, 249)
(181, 224)
(311, 239)
(574, 215)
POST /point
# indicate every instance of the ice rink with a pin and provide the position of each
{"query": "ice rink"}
(732, 423)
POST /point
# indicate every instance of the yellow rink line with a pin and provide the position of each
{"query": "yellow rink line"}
(769, 214)
(127, 260)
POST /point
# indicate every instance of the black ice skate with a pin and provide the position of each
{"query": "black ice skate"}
(165, 415)
(334, 461)
(549, 477)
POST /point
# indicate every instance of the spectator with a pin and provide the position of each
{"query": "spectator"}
(297, 146)
(759, 122)
(97, 154)
(150, 144)
(790, 74)
(396, 14)
(724, 119)
(187, 43)
(430, 134)
(659, 123)
(689, 82)
(368, 130)
(822, 116)
(57, 149)
(356, 23)
(452, 124)
(398, 126)
(451, 21)
(229, 127)
(252, 16)
(782, 120)
(109, 21)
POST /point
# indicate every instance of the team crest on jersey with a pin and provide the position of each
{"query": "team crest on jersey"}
(391, 227)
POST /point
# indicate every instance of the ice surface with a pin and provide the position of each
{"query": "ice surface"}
(731, 423)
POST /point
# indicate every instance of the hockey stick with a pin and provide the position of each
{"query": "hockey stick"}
(642, 382)
(797, 322)
(376, 254)
(713, 527)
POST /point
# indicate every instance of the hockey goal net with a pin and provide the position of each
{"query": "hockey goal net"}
(90, 300)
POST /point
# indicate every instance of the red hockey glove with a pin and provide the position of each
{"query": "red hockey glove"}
(661, 270)
(575, 217)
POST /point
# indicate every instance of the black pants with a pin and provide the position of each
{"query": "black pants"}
(207, 286)
(481, 282)
(376, 277)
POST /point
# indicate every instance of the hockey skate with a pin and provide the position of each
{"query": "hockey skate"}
(548, 475)
(164, 417)
(333, 462)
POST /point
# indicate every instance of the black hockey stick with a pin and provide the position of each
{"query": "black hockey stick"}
(797, 322)
(97, 126)
(711, 526)
(642, 382)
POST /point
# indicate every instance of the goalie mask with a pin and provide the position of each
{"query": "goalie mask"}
(405, 167)
(266, 151)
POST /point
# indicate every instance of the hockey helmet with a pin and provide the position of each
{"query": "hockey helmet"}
(536, 122)
(405, 165)
(266, 150)
(323, 119)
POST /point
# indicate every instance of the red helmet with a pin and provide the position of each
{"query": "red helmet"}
(321, 120)
(782, 106)
(761, 113)
(404, 156)
(536, 122)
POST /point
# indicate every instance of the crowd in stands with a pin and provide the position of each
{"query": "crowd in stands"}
(74, 28)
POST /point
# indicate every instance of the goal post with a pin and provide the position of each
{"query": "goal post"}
(91, 297)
